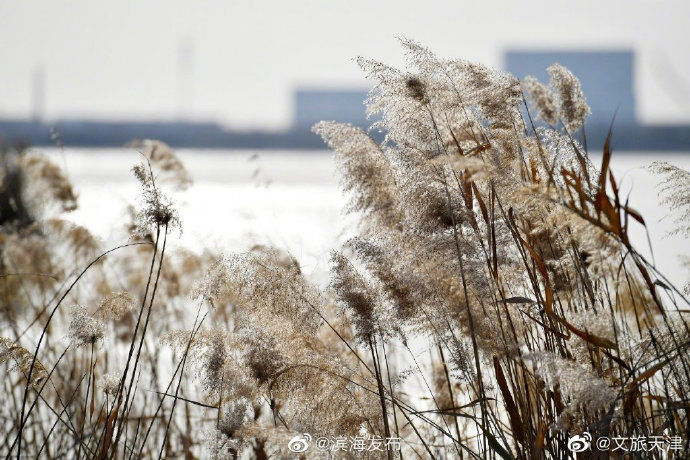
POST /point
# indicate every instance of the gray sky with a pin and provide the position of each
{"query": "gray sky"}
(120, 59)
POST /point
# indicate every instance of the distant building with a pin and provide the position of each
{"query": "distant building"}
(606, 78)
(345, 106)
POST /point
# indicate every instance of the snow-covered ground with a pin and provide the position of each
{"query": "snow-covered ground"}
(239, 198)
(291, 199)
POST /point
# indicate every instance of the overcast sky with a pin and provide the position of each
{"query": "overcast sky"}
(120, 59)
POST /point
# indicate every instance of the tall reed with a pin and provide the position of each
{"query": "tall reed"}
(491, 304)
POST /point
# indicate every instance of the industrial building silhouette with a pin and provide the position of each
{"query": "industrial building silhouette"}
(607, 79)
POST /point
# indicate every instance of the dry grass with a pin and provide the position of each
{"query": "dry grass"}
(491, 305)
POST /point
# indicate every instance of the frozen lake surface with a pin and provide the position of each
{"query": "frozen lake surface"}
(291, 199)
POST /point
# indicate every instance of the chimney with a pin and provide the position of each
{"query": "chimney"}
(38, 93)
(185, 78)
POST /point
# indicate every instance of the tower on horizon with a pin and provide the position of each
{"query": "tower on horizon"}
(185, 78)
(38, 93)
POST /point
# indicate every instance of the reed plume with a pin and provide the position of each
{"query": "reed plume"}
(491, 302)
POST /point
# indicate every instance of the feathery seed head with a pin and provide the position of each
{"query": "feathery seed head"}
(110, 383)
(542, 99)
(84, 328)
(573, 106)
